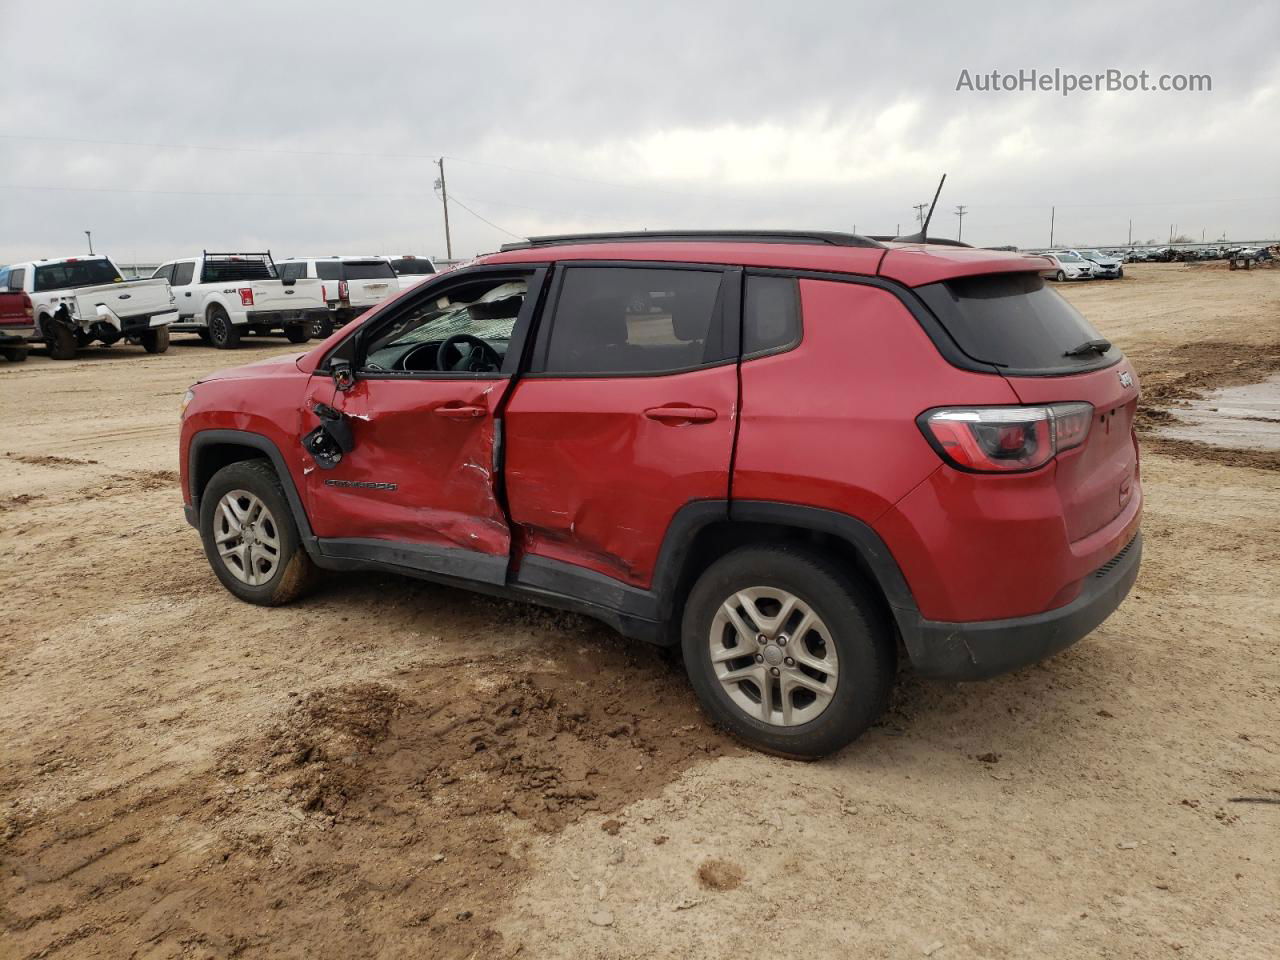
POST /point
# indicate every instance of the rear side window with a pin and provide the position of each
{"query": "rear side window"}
(328, 269)
(75, 273)
(1015, 322)
(770, 314)
(633, 320)
(164, 273)
(367, 270)
(17, 277)
(292, 271)
(182, 273)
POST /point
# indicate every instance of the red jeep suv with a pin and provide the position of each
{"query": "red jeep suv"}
(794, 454)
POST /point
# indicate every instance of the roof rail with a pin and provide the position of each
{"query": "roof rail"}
(700, 236)
(938, 241)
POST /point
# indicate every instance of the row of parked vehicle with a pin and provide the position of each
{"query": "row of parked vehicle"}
(1080, 265)
(71, 302)
(1191, 254)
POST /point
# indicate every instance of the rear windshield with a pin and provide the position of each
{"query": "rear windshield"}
(367, 270)
(80, 273)
(1015, 322)
(413, 266)
(234, 270)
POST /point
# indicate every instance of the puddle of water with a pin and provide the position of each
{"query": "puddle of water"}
(1246, 418)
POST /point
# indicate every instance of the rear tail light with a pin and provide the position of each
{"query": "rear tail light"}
(246, 296)
(26, 306)
(1005, 439)
(343, 293)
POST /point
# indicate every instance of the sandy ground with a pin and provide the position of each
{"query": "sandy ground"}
(395, 769)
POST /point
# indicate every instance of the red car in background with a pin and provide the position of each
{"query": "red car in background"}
(797, 455)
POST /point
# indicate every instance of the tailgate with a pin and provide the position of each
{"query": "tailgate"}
(274, 295)
(1096, 480)
(131, 299)
(365, 293)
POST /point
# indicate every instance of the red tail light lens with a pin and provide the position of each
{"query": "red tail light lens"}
(246, 296)
(343, 294)
(1005, 439)
(26, 306)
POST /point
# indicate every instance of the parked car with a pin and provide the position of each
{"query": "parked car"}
(1104, 267)
(350, 285)
(412, 269)
(821, 446)
(17, 321)
(221, 296)
(75, 301)
(1065, 265)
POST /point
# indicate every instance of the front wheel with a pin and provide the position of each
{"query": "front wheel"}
(223, 334)
(1060, 276)
(156, 340)
(787, 651)
(250, 537)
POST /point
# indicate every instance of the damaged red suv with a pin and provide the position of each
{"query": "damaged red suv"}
(797, 455)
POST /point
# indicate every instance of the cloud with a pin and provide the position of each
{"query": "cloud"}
(317, 123)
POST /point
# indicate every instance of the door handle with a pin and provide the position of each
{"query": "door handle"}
(459, 411)
(677, 413)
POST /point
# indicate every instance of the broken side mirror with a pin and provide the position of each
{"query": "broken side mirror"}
(344, 377)
(328, 442)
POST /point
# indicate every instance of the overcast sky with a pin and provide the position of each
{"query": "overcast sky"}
(309, 127)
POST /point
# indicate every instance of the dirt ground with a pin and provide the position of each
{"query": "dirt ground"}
(395, 769)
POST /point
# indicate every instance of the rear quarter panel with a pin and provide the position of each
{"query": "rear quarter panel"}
(831, 423)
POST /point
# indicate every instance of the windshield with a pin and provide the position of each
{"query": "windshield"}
(76, 273)
(413, 266)
(1068, 257)
(1093, 254)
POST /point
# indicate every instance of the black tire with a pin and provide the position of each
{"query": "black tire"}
(294, 573)
(1120, 274)
(156, 340)
(297, 333)
(864, 644)
(203, 334)
(15, 354)
(322, 329)
(61, 340)
(1060, 277)
(223, 334)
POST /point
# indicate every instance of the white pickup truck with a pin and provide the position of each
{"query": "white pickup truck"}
(221, 296)
(77, 300)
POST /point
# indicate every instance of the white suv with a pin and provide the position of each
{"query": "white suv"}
(350, 285)
(412, 270)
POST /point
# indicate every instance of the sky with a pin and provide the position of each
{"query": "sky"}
(311, 128)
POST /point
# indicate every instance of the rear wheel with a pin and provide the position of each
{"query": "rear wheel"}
(322, 328)
(156, 340)
(787, 651)
(297, 333)
(203, 334)
(15, 354)
(61, 340)
(1060, 277)
(250, 537)
(223, 334)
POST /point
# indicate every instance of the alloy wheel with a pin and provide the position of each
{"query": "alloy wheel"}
(247, 537)
(774, 656)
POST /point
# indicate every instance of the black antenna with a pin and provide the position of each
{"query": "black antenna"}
(923, 235)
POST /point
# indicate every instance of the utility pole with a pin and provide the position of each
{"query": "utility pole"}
(89, 234)
(444, 198)
(1053, 212)
(1131, 231)
(920, 209)
(960, 208)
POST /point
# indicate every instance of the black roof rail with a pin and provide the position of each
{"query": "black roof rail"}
(238, 253)
(939, 241)
(829, 238)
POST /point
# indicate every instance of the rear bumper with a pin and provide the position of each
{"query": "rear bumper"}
(280, 318)
(981, 649)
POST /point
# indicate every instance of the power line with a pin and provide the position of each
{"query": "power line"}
(489, 222)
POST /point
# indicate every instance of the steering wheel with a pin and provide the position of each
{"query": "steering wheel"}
(482, 359)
